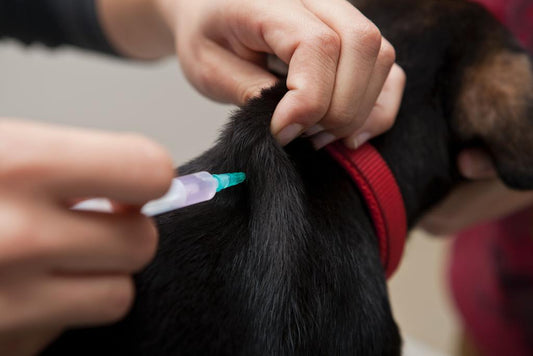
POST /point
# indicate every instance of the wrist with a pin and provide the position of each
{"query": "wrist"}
(136, 28)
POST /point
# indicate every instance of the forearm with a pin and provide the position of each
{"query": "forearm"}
(53, 23)
(135, 28)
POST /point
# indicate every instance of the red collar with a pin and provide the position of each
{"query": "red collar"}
(378, 186)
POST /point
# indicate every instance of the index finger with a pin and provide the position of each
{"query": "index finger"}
(311, 48)
(70, 163)
(310, 80)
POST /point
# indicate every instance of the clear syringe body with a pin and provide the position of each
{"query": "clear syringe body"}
(184, 191)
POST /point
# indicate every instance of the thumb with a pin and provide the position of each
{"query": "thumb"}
(223, 76)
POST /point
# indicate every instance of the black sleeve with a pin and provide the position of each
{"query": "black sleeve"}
(54, 23)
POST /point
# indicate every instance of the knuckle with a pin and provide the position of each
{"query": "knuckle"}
(117, 299)
(21, 238)
(33, 146)
(367, 36)
(204, 74)
(340, 118)
(328, 41)
(312, 107)
(29, 160)
(18, 170)
(14, 168)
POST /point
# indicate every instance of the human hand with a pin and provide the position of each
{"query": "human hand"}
(474, 202)
(59, 267)
(338, 63)
(342, 79)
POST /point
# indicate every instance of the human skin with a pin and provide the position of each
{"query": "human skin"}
(61, 268)
(222, 47)
(481, 199)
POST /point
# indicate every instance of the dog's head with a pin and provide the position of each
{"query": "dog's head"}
(494, 108)
(287, 263)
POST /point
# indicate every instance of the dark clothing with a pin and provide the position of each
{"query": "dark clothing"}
(75, 22)
(53, 23)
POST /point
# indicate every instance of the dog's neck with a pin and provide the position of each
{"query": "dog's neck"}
(380, 191)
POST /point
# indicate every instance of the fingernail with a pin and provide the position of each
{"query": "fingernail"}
(313, 130)
(322, 139)
(97, 204)
(359, 140)
(289, 133)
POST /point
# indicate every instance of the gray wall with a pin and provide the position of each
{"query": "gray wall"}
(67, 87)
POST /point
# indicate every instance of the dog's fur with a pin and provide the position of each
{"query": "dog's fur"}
(287, 263)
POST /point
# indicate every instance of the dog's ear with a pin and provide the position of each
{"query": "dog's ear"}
(495, 106)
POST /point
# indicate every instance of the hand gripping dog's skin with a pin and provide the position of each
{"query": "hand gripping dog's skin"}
(287, 263)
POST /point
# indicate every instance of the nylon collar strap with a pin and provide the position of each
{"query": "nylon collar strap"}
(375, 181)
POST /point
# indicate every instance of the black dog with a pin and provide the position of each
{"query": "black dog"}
(288, 263)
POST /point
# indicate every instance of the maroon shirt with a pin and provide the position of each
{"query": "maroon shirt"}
(491, 269)
(517, 15)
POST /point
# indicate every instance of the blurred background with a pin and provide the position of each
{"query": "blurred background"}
(83, 89)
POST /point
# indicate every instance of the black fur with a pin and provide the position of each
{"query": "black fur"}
(287, 263)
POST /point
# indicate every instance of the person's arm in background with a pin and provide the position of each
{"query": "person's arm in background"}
(482, 199)
(54, 23)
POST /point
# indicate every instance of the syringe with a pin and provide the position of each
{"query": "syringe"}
(184, 191)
